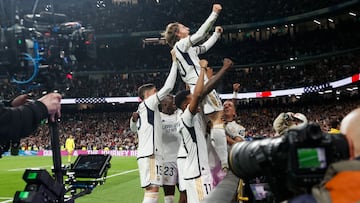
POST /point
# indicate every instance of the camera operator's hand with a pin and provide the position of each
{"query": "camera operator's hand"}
(52, 103)
(20, 100)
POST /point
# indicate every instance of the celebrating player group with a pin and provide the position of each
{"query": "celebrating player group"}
(183, 142)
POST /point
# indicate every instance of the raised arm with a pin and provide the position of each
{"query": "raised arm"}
(236, 88)
(211, 41)
(205, 27)
(198, 88)
(210, 85)
(170, 80)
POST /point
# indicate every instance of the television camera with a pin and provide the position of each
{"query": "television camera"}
(287, 165)
(45, 41)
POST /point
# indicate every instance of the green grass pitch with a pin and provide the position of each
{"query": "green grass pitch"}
(121, 186)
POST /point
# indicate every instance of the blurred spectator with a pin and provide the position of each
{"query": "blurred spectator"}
(334, 126)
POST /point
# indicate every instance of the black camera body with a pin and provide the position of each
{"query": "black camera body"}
(311, 151)
(85, 174)
(291, 163)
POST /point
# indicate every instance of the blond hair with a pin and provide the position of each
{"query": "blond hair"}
(170, 34)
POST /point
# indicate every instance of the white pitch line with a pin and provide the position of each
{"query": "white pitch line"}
(9, 199)
(21, 169)
(122, 173)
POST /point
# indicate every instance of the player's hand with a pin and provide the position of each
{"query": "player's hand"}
(236, 87)
(219, 29)
(203, 63)
(135, 116)
(173, 55)
(217, 8)
(209, 72)
(52, 103)
(227, 63)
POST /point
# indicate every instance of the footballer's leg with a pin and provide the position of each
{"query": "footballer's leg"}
(181, 182)
(151, 194)
(170, 179)
(150, 178)
(169, 192)
(218, 137)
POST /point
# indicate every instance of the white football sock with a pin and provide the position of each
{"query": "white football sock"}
(151, 197)
(169, 199)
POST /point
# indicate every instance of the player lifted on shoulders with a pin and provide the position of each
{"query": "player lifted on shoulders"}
(178, 36)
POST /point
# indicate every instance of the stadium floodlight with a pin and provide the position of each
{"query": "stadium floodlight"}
(352, 14)
(317, 22)
(328, 91)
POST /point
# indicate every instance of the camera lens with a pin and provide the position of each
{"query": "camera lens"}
(314, 131)
(248, 159)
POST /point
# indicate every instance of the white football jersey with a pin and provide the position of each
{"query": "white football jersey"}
(192, 129)
(150, 130)
(187, 53)
(188, 60)
(171, 138)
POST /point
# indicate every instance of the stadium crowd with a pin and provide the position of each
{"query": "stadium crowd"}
(261, 78)
(283, 59)
(91, 131)
(280, 62)
(148, 15)
(245, 48)
(110, 130)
